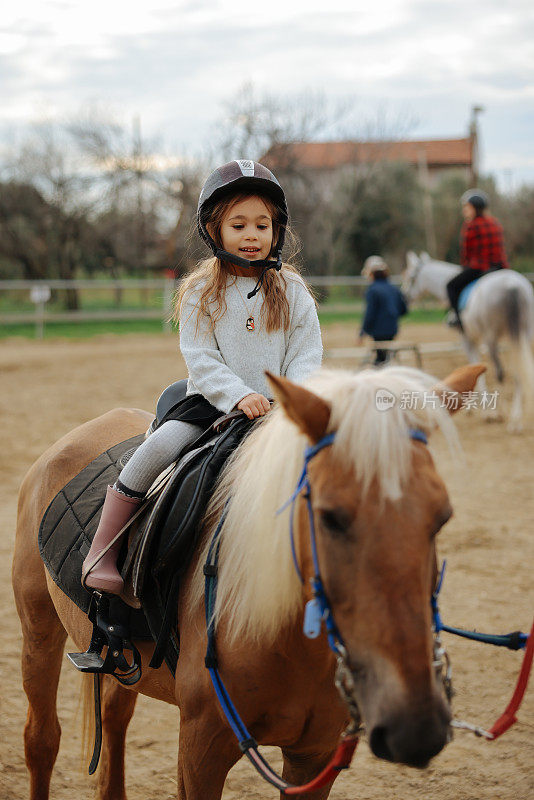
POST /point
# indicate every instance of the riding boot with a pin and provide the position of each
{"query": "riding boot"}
(104, 575)
(453, 319)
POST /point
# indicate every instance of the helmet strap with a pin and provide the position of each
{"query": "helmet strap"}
(277, 265)
(224, 255)
(265, 263)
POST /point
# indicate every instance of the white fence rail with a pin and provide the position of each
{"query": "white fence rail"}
(40, 293)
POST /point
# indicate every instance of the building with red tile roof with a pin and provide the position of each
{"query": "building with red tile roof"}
(434, 158)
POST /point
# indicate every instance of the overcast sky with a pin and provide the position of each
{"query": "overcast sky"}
(175, 63)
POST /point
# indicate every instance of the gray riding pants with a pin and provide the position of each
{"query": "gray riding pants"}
(156, 453)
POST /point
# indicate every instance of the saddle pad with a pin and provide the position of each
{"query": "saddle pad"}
(69, 525)
(465, 294)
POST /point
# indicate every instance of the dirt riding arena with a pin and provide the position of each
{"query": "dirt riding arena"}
(47, 388)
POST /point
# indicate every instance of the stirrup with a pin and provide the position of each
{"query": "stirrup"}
(116, 637)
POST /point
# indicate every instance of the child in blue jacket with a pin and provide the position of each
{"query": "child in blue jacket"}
(385, 304)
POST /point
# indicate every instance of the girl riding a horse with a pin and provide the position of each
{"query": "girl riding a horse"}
(240, 313)
(481, 244)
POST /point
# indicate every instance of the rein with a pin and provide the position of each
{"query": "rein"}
(247, 743)
(513, 641)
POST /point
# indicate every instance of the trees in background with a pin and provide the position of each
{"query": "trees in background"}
(378, 210)
(25, 231)
(516, 213)
(93, 198)
(45, 224)
(89, 198)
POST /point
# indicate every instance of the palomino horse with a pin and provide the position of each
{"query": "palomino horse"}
(378, 503)
(500, 307)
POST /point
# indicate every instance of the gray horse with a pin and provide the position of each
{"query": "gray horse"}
(500, 307)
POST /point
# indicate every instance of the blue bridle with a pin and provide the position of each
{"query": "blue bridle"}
(318, 609)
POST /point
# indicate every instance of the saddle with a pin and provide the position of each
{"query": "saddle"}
(161, 544)
(465, 294)
(163, 555)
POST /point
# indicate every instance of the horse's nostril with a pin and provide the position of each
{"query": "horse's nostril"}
(378, 743)
(411, 741)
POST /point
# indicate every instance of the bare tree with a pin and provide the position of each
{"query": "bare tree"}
(46, 163)
(272, 128)
(137, 176)
(25, 225)
(255, 121)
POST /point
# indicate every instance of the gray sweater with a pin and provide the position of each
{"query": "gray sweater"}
(226, 361)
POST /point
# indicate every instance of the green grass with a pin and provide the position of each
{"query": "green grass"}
(417, 315)
(90, 300)
(84, 330)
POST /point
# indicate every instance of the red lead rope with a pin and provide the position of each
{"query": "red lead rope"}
(508, 717)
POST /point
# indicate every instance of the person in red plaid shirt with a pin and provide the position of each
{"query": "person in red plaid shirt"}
(482, 246)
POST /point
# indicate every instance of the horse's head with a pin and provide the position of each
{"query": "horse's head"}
(411, 276)
(377, 558)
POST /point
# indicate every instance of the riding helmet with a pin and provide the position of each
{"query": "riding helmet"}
(236, 176)
(477, 198)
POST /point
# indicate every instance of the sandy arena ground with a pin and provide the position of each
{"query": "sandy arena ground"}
(47, 388)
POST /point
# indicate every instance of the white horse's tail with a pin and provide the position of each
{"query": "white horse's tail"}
(520, 319)
(522, 362)
(519, 313)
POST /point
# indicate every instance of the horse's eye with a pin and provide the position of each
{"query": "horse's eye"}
(336, 520)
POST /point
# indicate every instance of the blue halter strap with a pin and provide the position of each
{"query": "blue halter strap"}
(318, 609)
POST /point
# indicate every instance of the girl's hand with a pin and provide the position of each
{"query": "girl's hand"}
(254, 405)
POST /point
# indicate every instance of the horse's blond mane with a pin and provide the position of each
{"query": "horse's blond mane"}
(258, 589)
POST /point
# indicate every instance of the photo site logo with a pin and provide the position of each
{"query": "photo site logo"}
(414, 401)
(384, 399)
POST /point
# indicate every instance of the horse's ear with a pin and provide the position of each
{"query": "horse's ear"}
(458, 383)
(308, 411)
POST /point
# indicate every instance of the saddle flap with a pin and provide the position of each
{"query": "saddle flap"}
(172, 529)
(144, 553)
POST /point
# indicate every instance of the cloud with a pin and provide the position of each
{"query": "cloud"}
(175, 62)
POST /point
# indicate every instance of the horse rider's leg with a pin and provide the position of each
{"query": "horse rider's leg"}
(155, 454)
(301, 768)
(42, 656)
(118, 706)
(454, 287)
(207, 752)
